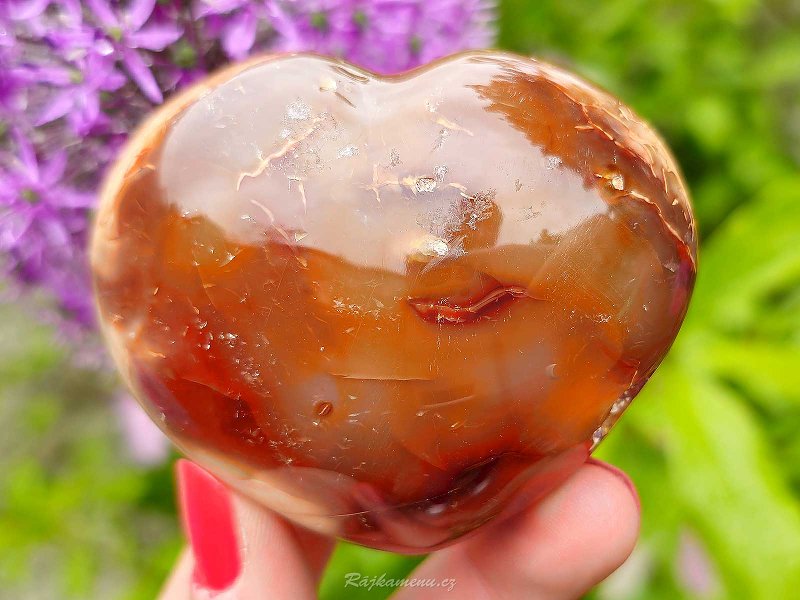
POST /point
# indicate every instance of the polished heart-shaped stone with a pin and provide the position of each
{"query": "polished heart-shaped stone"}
(392, 309)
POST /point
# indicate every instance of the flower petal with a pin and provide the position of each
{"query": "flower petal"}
(204, 8)
(53, 169)
(54, 230)
(114, 80)
(13, 226)
(71, 11)
(137, 14)
(281, 22)
(89, 113)
(67, 198)
(22, 10)
(56, 108)
(154, 37)
(102, 13)
(141, 74)
(27, 155)
(240, 34)
(48, 74)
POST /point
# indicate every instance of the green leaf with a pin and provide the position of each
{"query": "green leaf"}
(721, 469)
(755, 253)
(710, 120)
(770, 373)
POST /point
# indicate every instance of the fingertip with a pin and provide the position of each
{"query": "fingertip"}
(557, 548)
(617, 510)
(571, 540)
(622, 476)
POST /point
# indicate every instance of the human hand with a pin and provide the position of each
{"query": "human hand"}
(556, 549)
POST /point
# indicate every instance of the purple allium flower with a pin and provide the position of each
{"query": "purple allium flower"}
(77, 87)
(43, 226)
(131, 30)
(234, 22)
(383, 35)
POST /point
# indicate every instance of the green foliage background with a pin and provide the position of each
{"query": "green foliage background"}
(711, 443)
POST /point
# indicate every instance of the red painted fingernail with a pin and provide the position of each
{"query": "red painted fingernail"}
(621, 475)
(207, 515)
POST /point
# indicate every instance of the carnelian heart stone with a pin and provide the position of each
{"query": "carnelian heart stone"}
(392, 308)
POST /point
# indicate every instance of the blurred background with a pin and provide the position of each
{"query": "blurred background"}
(712, 443)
